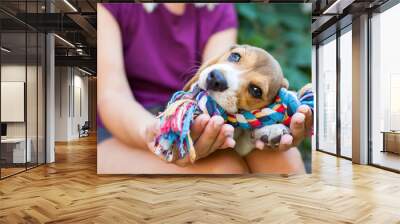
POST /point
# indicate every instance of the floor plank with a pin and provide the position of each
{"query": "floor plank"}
(69, 191)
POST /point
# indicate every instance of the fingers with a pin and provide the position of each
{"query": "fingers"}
(209, 135)
(286, 142)
(304, 109)
(225, 138)
(259, 145)
(297, 127)
(153, 129)
(151, 133)
(183, 162)
(300, 126)
(198, 126)
(229, 143)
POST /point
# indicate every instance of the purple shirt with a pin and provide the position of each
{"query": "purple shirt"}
(162, 50)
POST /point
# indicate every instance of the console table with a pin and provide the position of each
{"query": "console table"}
(391, 141)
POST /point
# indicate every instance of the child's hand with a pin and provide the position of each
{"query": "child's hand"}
(300, 126)
(208, 134)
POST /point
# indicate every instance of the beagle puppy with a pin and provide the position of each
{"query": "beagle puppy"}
(244, 78)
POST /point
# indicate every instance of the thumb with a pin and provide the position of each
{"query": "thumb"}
(153, 130)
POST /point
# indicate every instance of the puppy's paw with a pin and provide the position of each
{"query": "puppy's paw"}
(271, 135)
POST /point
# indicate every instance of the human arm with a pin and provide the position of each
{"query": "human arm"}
(118, 108)
(123, 116)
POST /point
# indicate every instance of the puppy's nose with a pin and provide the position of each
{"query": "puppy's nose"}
(216, 81)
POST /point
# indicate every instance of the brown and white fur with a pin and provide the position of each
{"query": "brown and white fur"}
(250, 83)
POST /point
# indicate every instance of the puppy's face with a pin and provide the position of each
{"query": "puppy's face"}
(244, 77)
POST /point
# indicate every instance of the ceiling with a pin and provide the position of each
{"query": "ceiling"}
(75, 22)
(332, 15)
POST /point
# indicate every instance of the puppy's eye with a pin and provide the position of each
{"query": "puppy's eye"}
(234, 57)
(255, 91)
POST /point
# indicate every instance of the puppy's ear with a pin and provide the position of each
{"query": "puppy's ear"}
(196, 77)
(285, 83)
(234, 46)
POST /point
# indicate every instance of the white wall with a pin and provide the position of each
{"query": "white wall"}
(71, 94)
(81, 100)
(62, 82)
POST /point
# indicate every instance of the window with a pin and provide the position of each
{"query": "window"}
(22, 78)
(327, 96)
(346, 93)
(385, 89)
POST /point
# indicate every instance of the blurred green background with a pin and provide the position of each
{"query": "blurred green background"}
(284, 30)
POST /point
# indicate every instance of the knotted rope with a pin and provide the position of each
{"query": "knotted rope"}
(174, 141)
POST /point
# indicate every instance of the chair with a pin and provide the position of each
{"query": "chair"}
(84, 129)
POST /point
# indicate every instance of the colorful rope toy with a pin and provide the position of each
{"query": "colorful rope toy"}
(174, 141)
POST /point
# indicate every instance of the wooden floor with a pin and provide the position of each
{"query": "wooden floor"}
(69, 191)
(388, 159)
(10, 171)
